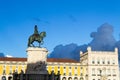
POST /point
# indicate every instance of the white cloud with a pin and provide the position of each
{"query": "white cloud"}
(8, 55)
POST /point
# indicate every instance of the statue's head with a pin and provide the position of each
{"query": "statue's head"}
(35, 30)
(35, 26)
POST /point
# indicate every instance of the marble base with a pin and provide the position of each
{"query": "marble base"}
(36, 60)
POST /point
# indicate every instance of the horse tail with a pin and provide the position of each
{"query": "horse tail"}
(29, 42)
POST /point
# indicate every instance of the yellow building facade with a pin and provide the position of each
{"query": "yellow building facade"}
(10, 65)
(68, 68)
(93, 65)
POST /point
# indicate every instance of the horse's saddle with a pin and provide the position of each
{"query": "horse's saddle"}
(36, 35)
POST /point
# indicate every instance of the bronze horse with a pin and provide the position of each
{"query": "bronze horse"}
(36, 37)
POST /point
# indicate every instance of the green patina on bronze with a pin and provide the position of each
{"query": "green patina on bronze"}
(36, 37)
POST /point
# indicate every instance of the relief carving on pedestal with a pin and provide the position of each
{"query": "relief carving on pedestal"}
(38, 66)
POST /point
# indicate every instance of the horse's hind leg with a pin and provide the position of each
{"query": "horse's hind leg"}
(28, 43)
(39, 44)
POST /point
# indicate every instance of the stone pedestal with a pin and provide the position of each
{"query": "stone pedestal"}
(36, 60)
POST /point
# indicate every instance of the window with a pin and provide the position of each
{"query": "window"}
(108, 62)
(103, 62)
(10, 70)
(70, 74)
(64, 78)
(58, 67)
(81, 74)
(98, 61)
(81, 78)
(4, 72)
(104, 72)
(75, 74)
(75, 67)
(113, 61)
(93, 61)
(98, 71)
(114, 71)
(108, 72)
(69, 67)
(64, 74)
(81, 67)
(4, 69)
(69, 78)
(93, 71)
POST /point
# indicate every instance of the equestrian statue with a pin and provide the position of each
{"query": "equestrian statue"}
(36, 37)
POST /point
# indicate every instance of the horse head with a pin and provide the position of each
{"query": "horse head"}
(43, 34)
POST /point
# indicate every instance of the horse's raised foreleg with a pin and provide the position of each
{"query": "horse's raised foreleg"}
(33, 45)
(39, 44)
(42, 42)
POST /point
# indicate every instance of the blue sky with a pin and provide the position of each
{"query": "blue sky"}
(65, 21)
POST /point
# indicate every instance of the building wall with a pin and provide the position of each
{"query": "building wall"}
(103, 64)
(8, 67)
(67, 70)
(89, 67)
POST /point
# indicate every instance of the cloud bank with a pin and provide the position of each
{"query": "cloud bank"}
(67, 49)
(103, 40)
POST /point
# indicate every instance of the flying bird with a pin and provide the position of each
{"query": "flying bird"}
(72, 18)
(42, 21)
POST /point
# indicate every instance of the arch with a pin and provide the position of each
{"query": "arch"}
(10, 78)
(81, 78)
(75, 78)
(3, 77)
(64, 78)
(69, 78)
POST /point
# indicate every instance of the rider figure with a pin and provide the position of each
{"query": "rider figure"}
(36, 30)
